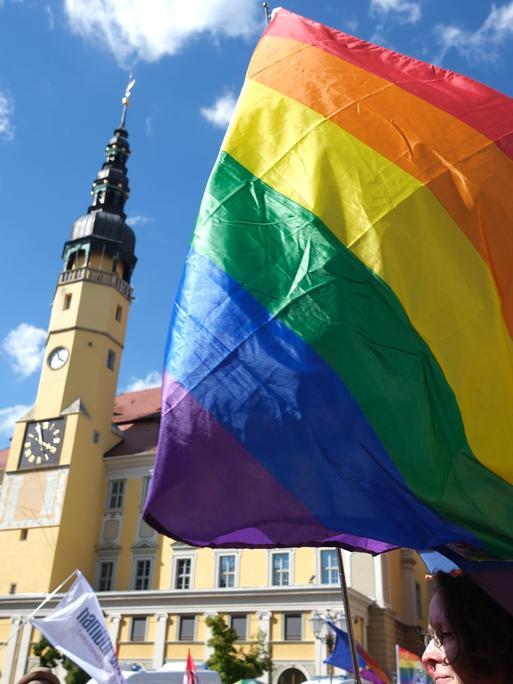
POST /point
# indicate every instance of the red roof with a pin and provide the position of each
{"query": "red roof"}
(137, 415)
(133, 406)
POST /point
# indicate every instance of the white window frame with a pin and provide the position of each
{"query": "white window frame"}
(319, 568)
(139, 559)
(98, 573)
(288, 553)
(217, 575)
(176, 562)
(144, 491)
(110, 486)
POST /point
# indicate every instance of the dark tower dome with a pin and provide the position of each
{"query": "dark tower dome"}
(103, 229)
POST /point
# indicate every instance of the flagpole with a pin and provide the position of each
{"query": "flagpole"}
(267, 11)
(24, 620)
(398, 663)
(349, 620)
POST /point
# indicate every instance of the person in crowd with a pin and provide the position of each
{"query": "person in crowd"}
(39, 675)
(470, 637)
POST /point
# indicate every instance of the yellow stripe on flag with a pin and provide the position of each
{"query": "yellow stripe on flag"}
(398, 228)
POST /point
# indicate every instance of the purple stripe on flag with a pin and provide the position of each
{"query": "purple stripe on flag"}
(203, 462)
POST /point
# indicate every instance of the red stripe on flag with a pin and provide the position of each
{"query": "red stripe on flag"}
(479, 106)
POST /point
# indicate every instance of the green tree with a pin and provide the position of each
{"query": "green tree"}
(47, 654)
(232, 663)
(74, 674)
(50, 657)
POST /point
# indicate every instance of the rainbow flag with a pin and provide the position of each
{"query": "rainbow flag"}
(339, 368)
(409, 668)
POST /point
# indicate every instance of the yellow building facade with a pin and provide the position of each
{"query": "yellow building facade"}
(74, 482)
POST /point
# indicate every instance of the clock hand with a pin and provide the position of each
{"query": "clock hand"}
(39, 435)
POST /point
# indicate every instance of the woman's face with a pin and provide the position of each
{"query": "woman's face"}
(437, 659)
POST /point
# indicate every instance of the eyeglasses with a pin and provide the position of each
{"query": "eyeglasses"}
(437, 637)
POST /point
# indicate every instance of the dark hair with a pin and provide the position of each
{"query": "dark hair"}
(483, 629)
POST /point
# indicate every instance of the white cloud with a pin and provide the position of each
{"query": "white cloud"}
(6, 112)
(151, 379)
(25, 346)
(482, 44)
(351, 25)
(51, 18)
(138, 220)
(9, 415)
(408, 11)
(220, 113)
(132, 31)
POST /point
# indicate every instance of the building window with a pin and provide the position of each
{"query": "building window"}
(138, 629)
(292, 627)
(119, 312)
(280, 569)
(106, 576)
(142, 574)
(12, 588)
(145, 484)
(23, 534)
(111, 359)
(226, 572)
(96, 436)
(239, 624)
(183, 573)
(186, 628)
(67, 302)
(418, 599)
(329, 567)
(116, 493)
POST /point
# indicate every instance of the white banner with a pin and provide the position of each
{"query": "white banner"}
(76, 628)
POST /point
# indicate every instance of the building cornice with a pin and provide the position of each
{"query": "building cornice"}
(127, 462)
(176, 601)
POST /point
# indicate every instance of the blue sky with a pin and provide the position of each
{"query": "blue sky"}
(63, 69)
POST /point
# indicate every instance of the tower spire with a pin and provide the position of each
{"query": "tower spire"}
(103, 228)
(110, 188)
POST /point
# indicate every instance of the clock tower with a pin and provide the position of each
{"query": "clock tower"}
(55, 473)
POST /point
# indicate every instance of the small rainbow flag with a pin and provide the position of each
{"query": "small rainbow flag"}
(409, 668)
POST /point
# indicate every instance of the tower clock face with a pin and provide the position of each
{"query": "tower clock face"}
(58, 357)
(42, 443)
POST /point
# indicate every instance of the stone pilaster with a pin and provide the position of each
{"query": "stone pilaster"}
(10, 656)
(23, 651)
(160, 640)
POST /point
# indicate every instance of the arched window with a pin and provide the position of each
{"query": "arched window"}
(291, 676)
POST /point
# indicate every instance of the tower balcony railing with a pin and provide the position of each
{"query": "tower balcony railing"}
(95, 276)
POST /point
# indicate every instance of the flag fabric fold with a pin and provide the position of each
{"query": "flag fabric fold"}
(76, 628)
(338, 367)
(341, 657)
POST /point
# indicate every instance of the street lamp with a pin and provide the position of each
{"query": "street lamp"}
(324, 633)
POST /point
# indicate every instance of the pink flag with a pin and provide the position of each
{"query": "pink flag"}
(190, 676)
